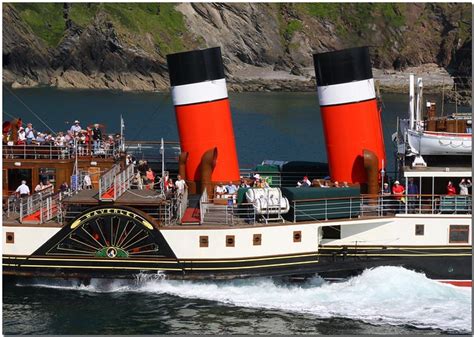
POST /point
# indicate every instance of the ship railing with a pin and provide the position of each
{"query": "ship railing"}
(44, 151)
(378, 205)
(228, 214)
(181, 204)
(51, 208)
(123, 180)
(34, 203)
(287, 178)
(106, 183)
(203, 204)
(51, 151)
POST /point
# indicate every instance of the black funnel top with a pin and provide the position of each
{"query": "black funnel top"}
(342, 66)
(195, 66)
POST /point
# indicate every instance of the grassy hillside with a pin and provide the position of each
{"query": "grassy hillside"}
(161, 20)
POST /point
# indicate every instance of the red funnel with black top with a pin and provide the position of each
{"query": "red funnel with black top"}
(199, 92)
(349, 111)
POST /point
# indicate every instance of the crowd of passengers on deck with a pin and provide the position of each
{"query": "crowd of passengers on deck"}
(90, 140)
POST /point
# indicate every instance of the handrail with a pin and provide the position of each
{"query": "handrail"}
(379, 205)
(50, 151)
(122, 181)
(204, 200)
(106, 182)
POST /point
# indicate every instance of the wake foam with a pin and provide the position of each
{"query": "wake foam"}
(383, 295)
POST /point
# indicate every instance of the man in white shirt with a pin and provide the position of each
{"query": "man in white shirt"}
(23, 189)
(220, 191)
(87, 182)
(76, 127)
(464, 187)
(29, 133)
(180, 185)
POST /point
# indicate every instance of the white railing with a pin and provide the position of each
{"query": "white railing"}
(230, 214)
(50, 151)
(122, 181)
(203, 204)
(106, 181)
(182, 204)
(376, 205)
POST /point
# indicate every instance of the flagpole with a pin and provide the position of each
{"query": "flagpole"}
(122, 127)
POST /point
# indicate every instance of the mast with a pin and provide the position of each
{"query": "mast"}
(419, 100)
(412, 101)
(122, 140)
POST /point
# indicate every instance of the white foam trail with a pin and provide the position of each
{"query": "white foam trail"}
(384, 295)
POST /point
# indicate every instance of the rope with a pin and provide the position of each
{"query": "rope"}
(26, 106)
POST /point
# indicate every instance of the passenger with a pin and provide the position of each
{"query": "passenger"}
(325, 185)
(181, 186)
(150, 177)
(336, 184)
(264, 183)
(23, 190)
(231, 188)
(96, 137)
(76, 127)
(138, 181)
(60, 139)
(345, 184)
(386, 202)
(220, 191)
(464, 186)
(21, 137)
(450, 189)
(244, 183)
(413, 192)
(30, 133)
(398, 190)
(386, 189)
(304, 183)
(171, 186)
(40, 139)
(87, 182)
(64, 187)
(39, 187)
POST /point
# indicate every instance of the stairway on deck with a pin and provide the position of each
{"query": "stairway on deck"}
(221, 215)
(192, 214)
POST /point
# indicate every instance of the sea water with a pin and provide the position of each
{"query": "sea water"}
(267, 125)
(386, 300)
(278, 126)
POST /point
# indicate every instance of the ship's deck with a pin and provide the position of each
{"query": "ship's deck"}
(128, 198)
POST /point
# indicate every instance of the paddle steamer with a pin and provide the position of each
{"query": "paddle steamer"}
(116, 230)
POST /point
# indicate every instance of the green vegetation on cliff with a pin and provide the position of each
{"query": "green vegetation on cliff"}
(45, 20)
(160, 20)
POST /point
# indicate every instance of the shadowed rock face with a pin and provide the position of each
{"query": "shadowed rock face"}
(265, 46)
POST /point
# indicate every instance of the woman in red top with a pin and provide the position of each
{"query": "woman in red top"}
(450, 189)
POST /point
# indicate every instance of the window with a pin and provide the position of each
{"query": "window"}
(297, 236)
(204, 241)
(229, 241)
(458, 234)
(419, 229)
(257, 239)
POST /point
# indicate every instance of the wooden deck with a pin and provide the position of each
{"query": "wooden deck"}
(129, 198)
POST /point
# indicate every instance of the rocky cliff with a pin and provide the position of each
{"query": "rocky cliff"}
(265, 46)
